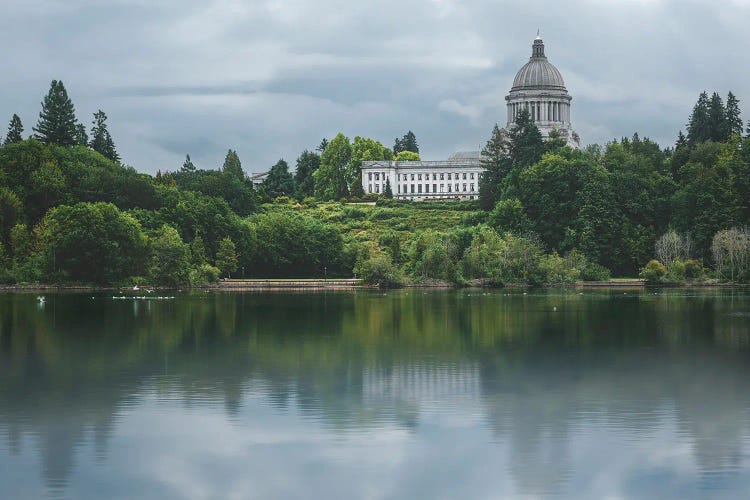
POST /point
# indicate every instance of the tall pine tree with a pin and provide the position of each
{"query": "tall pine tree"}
(733, 116)
(187, 165)
(279, 181)
(699, 126)
(407, 143)
(307, 164)
(15, 130)
(496, 163)
(101, 140)
(57, 120)
(717, 119)
(232, 165)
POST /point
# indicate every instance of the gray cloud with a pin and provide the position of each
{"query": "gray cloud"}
(271, 78)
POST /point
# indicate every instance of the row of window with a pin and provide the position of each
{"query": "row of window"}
(452, 188)
(451, 176)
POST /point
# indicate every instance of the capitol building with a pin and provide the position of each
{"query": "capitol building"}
(537, 88)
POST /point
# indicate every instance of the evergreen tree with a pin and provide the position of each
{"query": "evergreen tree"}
(717, 119)
(226, 257)
(699, 127)
(307, 164)
(279, 181)
(526, 144)
(733, 116)
(101, 140)
(497, 164)
(323, 145)
(57, 120)
(232, 165)
(82, 138)
(188, 166)
(198, 251)
(15, 130)
(407, 143)
(387, 191)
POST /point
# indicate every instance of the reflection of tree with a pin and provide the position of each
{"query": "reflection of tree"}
(538, 366)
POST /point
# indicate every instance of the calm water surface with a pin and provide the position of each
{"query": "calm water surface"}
(455, 394)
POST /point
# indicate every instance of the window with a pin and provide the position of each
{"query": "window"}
(426, 188)
(449, 176)
(377, 176)
(419, 188)
(457, 187)
(472, 176)
(449, 187)
(405, 177)
(442, 188)
(369, 176)
(419, 177)
(464, 176)
(434, 188)
(369, 188)
(412, 188)
(434, 177)
(412, 176)
(441, 178)
(377, 188)
(472, 186)
(399, 189)
(464, 187)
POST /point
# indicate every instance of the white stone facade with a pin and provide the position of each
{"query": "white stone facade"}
(424, 180)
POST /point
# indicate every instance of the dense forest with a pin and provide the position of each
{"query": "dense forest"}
(72, 212)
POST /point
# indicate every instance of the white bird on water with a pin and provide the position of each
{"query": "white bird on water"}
(40, 299)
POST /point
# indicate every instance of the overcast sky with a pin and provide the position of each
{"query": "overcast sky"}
(271, 78)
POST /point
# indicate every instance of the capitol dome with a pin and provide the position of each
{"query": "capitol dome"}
(539, 89)
(538, 73)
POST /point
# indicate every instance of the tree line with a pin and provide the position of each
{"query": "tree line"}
(70, 211)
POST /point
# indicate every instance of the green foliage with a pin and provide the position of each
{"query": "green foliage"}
(407, 143)
(331, 177)
(15, 130)
(226, 257)
(279, 181)
(10, 210)
(188, 165)
(204, 274)
(232, 166)
(198, 251)
(407, 156)
(429, 259)
(57, 120)
(91, 243)
(694, 269)
(497, 164)
(509, 215)
(377, 268)
(170, 258)
(304, 182)
(101, 139)
(387, 191)
(293, 245)
(363, 149)
(654, 272)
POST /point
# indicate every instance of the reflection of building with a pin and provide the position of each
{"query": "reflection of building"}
(537, 88)
(421, 383)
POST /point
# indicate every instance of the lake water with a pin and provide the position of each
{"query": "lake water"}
(405, 394)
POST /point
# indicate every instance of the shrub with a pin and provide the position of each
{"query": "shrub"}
(557, 270)
(654, 272)
(693, 269)
(204, 274)
(378, 269)
(595, 272)
(676, 272)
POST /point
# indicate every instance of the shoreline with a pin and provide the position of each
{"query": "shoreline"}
(345, 284)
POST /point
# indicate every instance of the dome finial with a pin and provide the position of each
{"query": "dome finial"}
(538, 47)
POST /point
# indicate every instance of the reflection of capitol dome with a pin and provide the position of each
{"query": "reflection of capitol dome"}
(540, 89)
